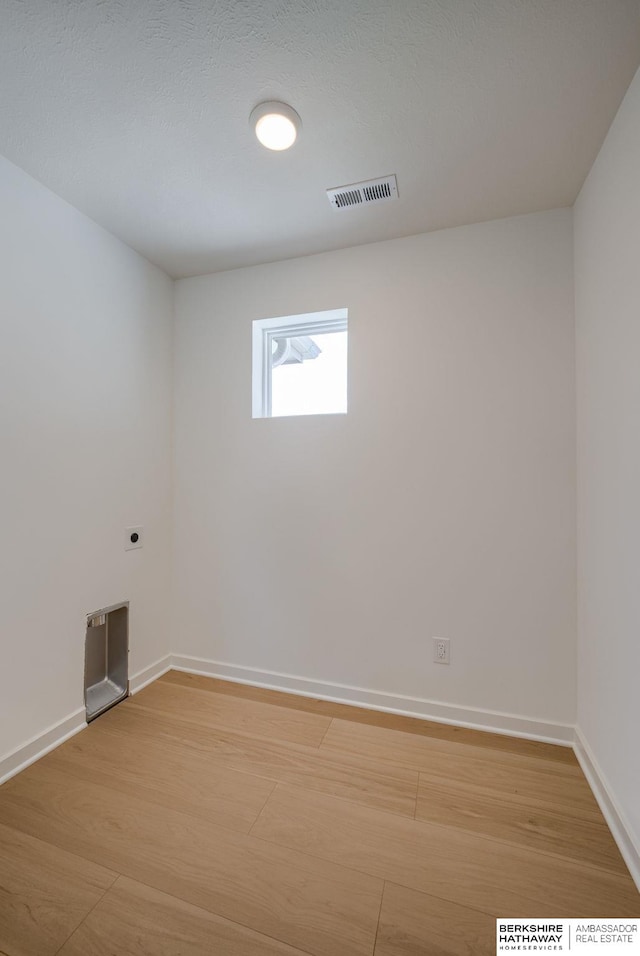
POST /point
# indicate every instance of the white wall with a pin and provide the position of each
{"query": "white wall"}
(443, 504)
(85, 446)
(607, 279)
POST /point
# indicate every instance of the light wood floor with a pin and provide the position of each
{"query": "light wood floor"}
(201, 817)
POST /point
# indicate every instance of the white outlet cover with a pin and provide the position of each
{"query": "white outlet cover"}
(441, 651)
(130, 545)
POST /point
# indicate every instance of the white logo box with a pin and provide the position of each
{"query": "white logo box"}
(584, 937)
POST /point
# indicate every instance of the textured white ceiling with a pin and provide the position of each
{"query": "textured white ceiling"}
(136, 111)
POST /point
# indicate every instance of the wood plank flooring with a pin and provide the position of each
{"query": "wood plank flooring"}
(202, 817)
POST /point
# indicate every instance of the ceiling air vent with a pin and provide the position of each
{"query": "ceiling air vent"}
(364, 194)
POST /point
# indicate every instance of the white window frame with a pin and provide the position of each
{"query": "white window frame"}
(265, 330)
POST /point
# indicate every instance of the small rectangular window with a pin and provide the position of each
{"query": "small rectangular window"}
(300, 365)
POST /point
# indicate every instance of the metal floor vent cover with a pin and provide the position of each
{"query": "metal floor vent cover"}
(364, 194)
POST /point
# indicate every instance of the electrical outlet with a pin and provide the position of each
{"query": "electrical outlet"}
(441, 650)
(132, 538)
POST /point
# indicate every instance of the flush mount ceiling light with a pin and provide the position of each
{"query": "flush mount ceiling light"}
(276, 124)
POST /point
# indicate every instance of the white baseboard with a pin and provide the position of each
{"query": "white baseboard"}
(475, 719)
(628, 845)
(20, 758)
(148, 674)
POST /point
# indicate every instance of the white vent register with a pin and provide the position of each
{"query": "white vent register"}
(364, 194)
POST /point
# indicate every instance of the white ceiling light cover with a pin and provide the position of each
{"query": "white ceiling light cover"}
(276, 125)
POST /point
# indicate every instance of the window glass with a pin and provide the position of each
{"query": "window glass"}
(315, 384)
(300, 365)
